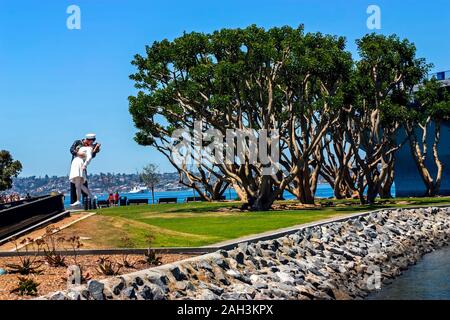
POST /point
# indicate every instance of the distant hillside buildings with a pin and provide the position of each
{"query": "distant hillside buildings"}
(99, 183)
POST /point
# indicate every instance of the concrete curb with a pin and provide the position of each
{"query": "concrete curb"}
(138, 251)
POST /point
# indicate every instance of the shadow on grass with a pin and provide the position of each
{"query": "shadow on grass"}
(354, 208)
(345, 205)
(203, 207)
(194, 207)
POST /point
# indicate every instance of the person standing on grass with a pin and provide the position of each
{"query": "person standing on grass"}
(116, 198)
(111, 200)
(90, 139)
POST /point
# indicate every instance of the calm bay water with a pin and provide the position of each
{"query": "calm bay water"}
(429, 279)
(323, 191)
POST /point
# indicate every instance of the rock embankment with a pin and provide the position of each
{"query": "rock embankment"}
(338, 260)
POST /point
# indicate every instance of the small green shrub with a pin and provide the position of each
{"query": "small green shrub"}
(108, 267)
(26, 266)
(28, 263)
(128, 263)
(152, 258)
(26, 287)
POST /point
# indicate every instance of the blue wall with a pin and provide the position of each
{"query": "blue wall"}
(408, 182)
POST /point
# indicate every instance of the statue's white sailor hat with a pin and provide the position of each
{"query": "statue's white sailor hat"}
(91, 136)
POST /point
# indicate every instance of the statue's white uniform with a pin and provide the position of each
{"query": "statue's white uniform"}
(76, 169)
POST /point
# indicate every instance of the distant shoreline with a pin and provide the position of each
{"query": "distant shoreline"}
(99, 183)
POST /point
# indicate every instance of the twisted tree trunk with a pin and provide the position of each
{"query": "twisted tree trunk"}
(419, 154)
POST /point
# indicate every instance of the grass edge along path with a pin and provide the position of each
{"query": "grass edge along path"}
(202, 224)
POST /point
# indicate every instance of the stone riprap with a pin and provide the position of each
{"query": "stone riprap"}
(338, 260)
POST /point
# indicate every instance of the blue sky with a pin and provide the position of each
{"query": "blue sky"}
(58, 84)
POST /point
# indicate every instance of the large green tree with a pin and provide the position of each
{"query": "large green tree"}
(279, 79)
(314, 80)
(9, 169)
(336, 117)
(384, 79)
(338, 167)
(430, 107)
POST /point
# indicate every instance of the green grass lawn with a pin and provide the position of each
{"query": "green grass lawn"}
(199, 224)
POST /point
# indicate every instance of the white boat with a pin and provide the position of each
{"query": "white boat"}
(175, 189)
(138, 189)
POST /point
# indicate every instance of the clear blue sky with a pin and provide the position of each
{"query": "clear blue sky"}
(58, 84)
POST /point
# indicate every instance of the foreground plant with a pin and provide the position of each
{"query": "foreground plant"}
(75, 245)
(152, 258)
(25, 267)
(50, 244)
(108, 267)
(26, 286)
(27, 264)
(128, 263)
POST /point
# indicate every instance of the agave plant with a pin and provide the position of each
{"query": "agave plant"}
(151, 258)
(26, 287)
(127, 263)
(26, 266)
(107, 267)
(50, 244)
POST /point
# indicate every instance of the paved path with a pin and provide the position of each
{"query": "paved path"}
(39, 233)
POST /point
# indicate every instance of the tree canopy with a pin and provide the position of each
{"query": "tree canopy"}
(337, 117)
(9, 169)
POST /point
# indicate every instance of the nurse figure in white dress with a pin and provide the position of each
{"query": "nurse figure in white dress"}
(78, 172)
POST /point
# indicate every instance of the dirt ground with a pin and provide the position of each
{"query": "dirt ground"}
(61, 224)
(53, 279)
